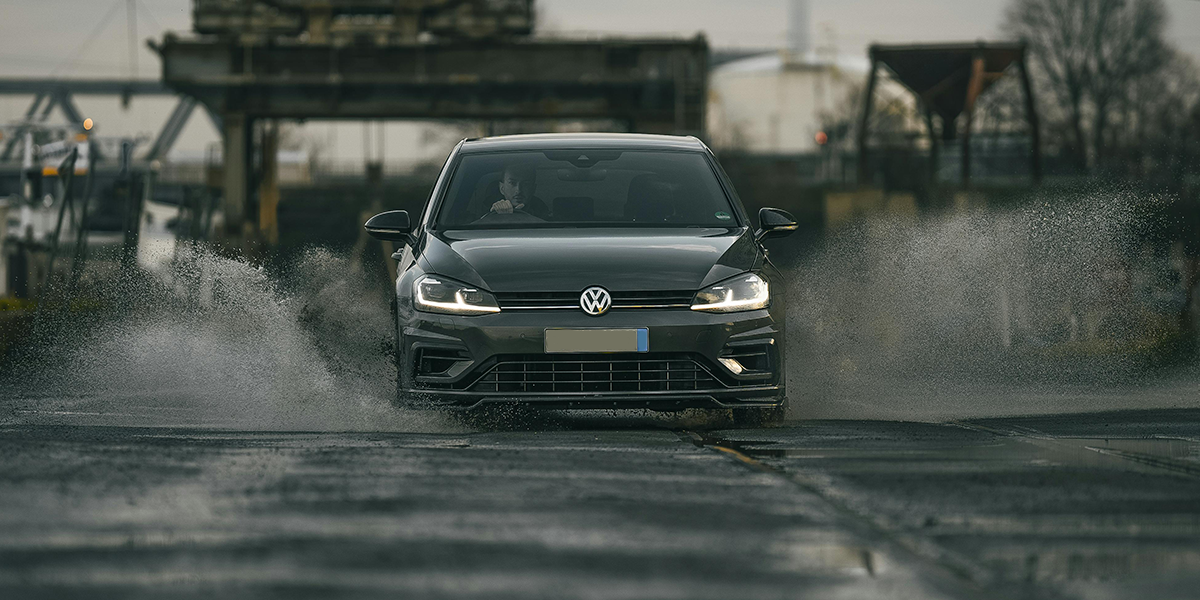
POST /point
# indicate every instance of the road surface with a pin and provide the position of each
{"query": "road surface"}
(1101, 505)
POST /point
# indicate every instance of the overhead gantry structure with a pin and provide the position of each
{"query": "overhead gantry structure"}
(947, 80)
(49, 94)
(254, 60)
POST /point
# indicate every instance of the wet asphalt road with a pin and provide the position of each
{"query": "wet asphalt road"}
(1105, 505)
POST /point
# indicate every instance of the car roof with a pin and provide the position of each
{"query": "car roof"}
(555, 141)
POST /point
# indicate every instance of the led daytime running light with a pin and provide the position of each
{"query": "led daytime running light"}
(459, 305)
(729, 304)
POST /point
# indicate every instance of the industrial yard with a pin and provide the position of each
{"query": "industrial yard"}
(992, 371)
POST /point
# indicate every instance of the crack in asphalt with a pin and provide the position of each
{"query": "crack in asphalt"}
(951, 571)
(1046, 441)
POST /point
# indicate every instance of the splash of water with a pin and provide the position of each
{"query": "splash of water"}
(216, 341)
(1054, 306)
(1041, 308)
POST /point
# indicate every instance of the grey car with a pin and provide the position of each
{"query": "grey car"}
(588, 271)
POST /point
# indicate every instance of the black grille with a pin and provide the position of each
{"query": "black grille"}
(530, 300)
(533, 373)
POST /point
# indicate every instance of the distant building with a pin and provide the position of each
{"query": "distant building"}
(774, 102)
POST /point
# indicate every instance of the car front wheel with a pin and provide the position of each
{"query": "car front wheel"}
(760, 417)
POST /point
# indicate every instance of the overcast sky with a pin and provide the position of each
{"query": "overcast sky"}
(88, 38)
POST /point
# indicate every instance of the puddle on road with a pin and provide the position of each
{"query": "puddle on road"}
(1184, 454)
(1097, 562)
(801, 557)
(1178, 449)
(1035, 547)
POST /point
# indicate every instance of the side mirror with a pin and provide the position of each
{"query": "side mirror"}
(774, 223)
(392, 226)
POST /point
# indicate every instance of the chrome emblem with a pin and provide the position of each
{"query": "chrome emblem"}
(595, 301)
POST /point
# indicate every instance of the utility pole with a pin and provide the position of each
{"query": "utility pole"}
(66, 171)
(133, 208)
(81, 239)
(131, 34)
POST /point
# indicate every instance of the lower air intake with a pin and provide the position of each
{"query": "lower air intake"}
(534, 373)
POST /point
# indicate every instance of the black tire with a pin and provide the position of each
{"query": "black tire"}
(398, 398)
(760, 417)
(499, 417)
(400, 360)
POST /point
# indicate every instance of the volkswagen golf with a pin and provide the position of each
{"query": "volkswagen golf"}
(588, 271)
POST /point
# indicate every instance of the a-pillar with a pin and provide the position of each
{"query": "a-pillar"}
(237, 153)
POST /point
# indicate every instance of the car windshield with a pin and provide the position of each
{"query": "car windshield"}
(585, 188)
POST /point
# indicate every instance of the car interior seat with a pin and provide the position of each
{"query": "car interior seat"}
(650, 199)
(573, 208)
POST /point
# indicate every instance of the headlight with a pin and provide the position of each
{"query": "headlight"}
(440, 295)
(744, 292)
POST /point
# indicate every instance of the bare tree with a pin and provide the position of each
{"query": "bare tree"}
(1087, 54)
(1150, 132)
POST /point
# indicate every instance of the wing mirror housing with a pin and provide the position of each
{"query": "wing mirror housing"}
(391, 226)
(774, 223)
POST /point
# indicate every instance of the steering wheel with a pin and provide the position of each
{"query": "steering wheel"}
(516, 216)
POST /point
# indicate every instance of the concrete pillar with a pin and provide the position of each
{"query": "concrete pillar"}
(934, 141)
(974, 89)
(237, 150)
(268, 187)
(864, 121)
(319, 21)
(1031, 116)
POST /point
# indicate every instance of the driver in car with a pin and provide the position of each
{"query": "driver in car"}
(517, 188)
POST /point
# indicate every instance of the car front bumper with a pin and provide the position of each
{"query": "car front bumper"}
(500, 358)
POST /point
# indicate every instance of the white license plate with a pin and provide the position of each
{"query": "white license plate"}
(597, 340)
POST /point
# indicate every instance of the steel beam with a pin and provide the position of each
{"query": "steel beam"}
(658, 84)
(60, 93)
(443, 18)
(19, 133)
(48, 108)
(85, 87)
(215, 119)
(67, 104)
(172, 128)
(864, 121)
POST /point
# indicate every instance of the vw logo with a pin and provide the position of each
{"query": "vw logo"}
(595, 301)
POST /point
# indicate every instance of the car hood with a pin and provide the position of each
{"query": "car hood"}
(569, 260)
